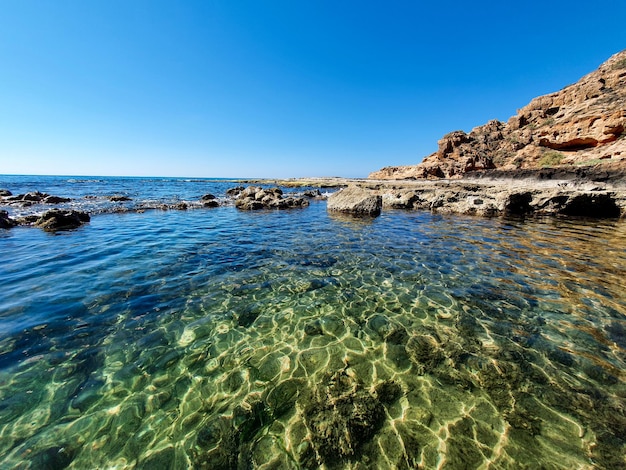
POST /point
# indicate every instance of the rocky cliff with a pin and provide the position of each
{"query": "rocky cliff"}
(583, 124)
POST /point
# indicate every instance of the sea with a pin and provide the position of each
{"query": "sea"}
(289, 339)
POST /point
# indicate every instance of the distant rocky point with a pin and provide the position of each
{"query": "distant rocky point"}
(581, 125)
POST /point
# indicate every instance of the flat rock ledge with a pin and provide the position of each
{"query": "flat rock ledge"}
(507, 198)
(356, 201)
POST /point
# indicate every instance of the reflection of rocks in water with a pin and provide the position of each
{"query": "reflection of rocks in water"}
(341, 417)
(226, 442)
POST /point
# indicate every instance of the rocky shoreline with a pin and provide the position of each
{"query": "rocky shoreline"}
(598, 192)
(589, 192)
(55, 213)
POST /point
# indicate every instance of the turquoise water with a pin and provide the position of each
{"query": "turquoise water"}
(215, 338)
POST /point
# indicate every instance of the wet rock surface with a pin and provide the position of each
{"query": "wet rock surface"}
(57, 219)
(6, 221)
(35, 197)
(119, 198)
(209, 200)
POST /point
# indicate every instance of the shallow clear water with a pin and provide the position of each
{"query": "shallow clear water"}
(288, 339)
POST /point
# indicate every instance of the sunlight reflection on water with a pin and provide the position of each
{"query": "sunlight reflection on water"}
(218, 338)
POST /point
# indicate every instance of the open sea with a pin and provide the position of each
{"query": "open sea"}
(221, 339)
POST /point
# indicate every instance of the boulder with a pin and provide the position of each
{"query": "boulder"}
(312, 193)
(207, 197)
(29, 197)
(234, 192)
(34, 197)
(355, 200)
(57, 219)
(5, 192)
(6, 221)
(55, 199)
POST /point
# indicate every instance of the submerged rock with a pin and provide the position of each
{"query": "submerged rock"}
(57, 219)
(341, 417)
(357, 201)
(227, 441)
(425, 352)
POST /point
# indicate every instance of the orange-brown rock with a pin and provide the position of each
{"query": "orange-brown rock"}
(582, 124)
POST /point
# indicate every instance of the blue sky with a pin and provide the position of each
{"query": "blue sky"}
(240, 88)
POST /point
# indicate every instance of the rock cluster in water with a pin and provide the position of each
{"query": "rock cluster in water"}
(256, 197)
(64, 218)
(583, 124)
(36, 197)
(57, 219)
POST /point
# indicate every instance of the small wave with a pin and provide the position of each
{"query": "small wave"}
(74, 180)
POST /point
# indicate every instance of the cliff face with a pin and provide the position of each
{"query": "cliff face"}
(583, 124)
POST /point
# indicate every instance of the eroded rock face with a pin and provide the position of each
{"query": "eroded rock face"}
(56, 219)
(357, 201)
(583, 123)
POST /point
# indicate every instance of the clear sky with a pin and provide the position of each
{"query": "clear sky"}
(275, 88)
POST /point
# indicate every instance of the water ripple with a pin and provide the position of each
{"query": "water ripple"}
(217, 339)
